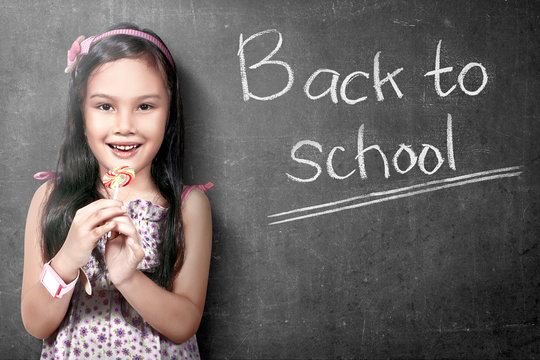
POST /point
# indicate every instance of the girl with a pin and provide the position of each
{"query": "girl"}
(139, 293)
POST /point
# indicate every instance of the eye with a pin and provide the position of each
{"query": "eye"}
(105, 107)
(145, 107)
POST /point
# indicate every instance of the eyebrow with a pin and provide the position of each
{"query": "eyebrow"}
(147, 96)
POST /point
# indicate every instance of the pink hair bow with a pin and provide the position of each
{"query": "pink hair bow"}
(79, 48)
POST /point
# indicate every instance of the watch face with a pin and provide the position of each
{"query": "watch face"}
(50, 282)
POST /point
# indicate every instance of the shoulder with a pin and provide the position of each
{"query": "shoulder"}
(42, 195)
(195, 205)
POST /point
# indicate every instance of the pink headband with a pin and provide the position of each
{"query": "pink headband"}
(81, 46)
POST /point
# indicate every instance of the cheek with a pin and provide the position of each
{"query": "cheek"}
(93, 133)
(159, 136)
(159, 127)
(89, 132)
(87, 124)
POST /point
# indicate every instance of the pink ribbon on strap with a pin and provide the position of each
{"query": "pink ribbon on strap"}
(203, 188)
(44, 175)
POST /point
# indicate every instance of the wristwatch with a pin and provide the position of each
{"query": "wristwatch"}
(54, 283)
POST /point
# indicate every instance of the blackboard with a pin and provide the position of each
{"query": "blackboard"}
(320, 248)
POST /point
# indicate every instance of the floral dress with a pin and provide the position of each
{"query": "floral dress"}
(103, 325)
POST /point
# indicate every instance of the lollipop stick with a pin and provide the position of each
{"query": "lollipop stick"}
(119, 176)
(114, 198)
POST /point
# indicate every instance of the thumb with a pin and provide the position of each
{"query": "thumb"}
(135, 247)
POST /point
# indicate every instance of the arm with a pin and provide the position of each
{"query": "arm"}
(177, 314)
(41, 313)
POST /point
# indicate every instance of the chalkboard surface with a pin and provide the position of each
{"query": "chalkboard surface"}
(376, 167)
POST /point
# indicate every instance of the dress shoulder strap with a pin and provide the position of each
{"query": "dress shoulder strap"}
(44, 175)
(202, 188)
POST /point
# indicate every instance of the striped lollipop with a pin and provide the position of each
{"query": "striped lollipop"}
(118, 177)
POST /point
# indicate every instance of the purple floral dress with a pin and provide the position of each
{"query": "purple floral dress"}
(103, 325)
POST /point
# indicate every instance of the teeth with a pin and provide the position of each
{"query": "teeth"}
(124, 148)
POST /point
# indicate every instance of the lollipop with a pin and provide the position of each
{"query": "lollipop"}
(118, 177)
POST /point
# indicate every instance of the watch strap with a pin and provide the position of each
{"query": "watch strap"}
(54, 283)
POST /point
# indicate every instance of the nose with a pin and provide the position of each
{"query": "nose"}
(124, 123)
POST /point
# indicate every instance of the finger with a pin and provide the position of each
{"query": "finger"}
(99, 204)
(100, 217)
(126, 227)
(100, 230)
(111, 235)
(136, 248)
(116, 239)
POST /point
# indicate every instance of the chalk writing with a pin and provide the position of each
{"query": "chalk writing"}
(395, 194)
(265, 61)
(332, 89)
(438, 71)
(404, 159)
(403, 150)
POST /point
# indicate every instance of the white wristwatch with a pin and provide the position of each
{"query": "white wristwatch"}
(54, 283)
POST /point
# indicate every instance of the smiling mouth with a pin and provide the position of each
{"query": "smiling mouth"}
(123, 147)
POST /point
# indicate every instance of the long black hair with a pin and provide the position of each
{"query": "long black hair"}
(77, 182)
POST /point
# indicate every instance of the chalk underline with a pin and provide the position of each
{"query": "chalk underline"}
(382, 196)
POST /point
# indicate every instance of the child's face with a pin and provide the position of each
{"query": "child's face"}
(125, 113)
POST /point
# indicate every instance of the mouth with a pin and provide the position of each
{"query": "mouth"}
(124, 147)
(124, 151)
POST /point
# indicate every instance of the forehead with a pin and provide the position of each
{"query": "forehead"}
(126, 78)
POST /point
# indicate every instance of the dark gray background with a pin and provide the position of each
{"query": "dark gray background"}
(447, 274)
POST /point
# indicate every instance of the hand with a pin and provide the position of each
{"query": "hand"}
(89, 225)
(123, 252)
